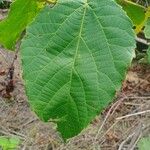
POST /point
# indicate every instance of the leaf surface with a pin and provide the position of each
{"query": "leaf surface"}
(144, 143)
(74, 58)
(135, 12)
(7, 143)
(21, 14)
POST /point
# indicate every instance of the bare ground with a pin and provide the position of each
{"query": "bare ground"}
(119, 127)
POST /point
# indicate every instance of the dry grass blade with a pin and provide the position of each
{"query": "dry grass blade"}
(134, 114)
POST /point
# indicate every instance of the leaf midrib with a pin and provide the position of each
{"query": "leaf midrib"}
(76, 52)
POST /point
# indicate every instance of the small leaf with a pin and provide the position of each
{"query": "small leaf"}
(144, 144)
(9, 143)
(21, 14)
(136, 13)
(74, 59)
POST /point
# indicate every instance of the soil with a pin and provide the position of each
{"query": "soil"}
(118, 127)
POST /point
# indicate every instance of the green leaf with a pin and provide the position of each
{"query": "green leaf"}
(9, 143)
(21, 14)
(147, 29)
(144, 143)
(135, 12)
(74, 58)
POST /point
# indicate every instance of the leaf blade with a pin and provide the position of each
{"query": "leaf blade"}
(74, 58)
(21, 14)
(144, 143)
(9, 142)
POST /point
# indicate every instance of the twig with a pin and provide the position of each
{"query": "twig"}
(122, 144)
(29, 122)
(19, 134)
(10, 76)
(4, 57)
(140, 40)
(107, 132)
(139, 97)
(10, 132)
(110, 112)
(134, 114)
(132, 104)
(136, 137)
(147, 4)
(105, 119)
